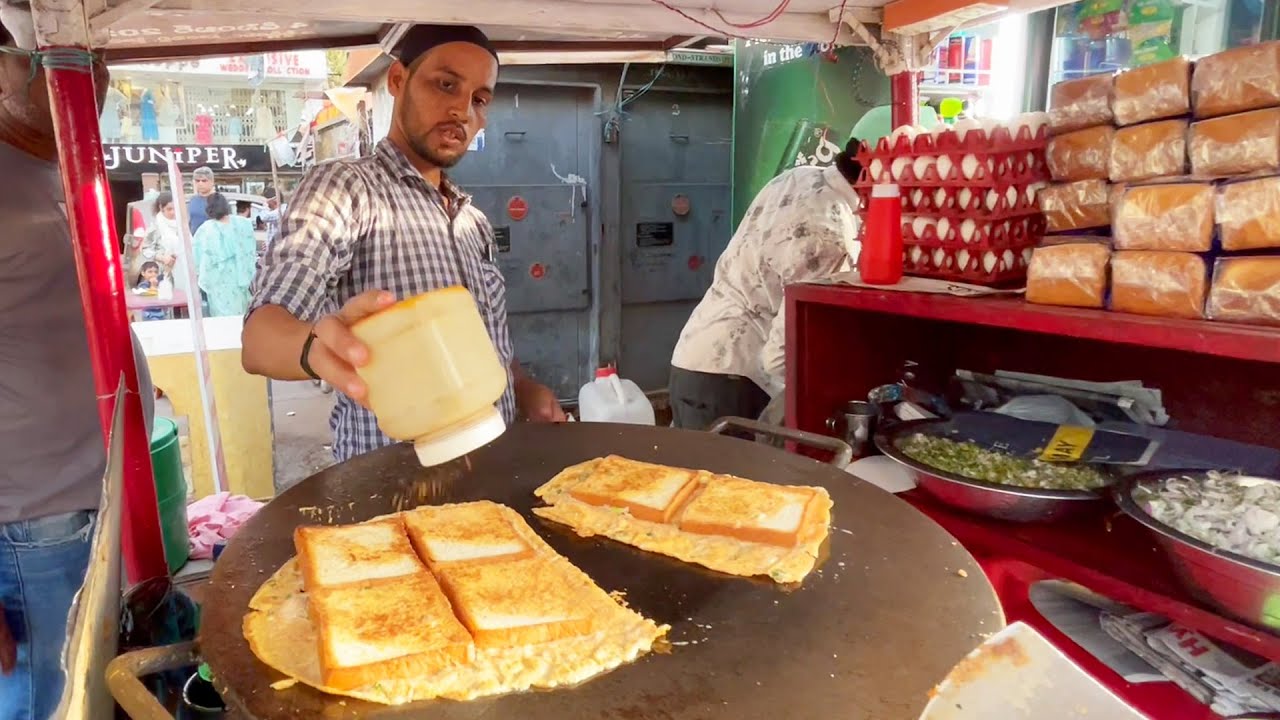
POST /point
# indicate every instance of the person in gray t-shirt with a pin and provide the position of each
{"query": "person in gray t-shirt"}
(50, 441)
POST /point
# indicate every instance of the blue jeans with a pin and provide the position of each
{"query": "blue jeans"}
(42, 566)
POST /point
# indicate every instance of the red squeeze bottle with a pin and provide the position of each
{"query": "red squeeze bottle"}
(880, 261)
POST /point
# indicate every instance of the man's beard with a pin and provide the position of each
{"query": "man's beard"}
(419, 144)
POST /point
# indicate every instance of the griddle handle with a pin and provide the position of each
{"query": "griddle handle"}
(129, 692)
(843, 453)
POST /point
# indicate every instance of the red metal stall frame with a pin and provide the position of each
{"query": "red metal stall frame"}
(904, 98)
(61, 24)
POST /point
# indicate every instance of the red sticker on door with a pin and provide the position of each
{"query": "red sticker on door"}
(537, 271)
(680, 205)
(517, 208)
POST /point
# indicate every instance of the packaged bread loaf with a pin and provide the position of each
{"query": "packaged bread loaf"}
(1077, 104)
(1246, 290)
(1158, 282)
(1236, 144)
(1248, 214)
(1151, 92)
(1236, 80)
(1069, 272)
(1177, 216)
(1075, 206)
(1080, 155)
(1150, 150)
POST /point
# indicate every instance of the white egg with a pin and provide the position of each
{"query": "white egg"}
(940, 198)
(1007, 259)
(967, 229)
(905, 131)
(918, 225)
(964, 198)
(900, 165)
(1033, 122)
(938, 255)
(962, 259)
(993, 199)
(877, 170)
(1030, 161)
(1026, 255)
(989, 261)
(988, 127)
(1032, 190)
(949, 261)
(917, 197)
(945, 165)
(969, 166)
(916, 253)
(1011, 197)
(944, 229)
(922, 165)
(962, 127)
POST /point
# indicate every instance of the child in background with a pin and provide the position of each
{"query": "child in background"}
(149, 282)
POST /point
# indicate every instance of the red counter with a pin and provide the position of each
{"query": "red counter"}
(1217, 379)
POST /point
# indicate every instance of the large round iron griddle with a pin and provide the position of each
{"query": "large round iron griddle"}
(880, 621)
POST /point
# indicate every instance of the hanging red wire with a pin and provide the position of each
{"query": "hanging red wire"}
(773, 15)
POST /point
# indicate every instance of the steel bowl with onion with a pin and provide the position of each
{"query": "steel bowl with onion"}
(994, 500)
(1240, 586)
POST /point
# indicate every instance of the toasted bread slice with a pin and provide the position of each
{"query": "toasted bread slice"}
(526, 601)
(332, 555)
(386, 629)
(649, 492)
(748, 510)
(466, 532)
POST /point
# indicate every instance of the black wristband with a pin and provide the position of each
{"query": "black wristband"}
(306, 350)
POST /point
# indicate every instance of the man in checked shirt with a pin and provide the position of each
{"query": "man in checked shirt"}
(360, 234)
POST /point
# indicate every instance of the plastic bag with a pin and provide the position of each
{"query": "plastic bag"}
(1072, 273)
(1236, 144)
(1177, 216)
(1076, 206)
(1157, 282)
(1151, 92)
(1248, 214)
(1077, 104)
(1080, 155)
(1236, 80)
(1150, 150)
(1246, 290)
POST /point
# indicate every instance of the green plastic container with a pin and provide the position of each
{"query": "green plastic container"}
(171, 492)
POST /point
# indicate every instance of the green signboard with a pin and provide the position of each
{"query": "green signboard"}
(795, 105)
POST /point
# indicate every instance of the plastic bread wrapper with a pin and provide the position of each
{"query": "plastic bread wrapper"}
(1235, 144)
(1155, 91)
(1158, 282)
(1249, 214)
(1236, 80)
(1246, 290)
(1076, 206)
(1082, 103)
(1150, 150)
(1080, 155)
(1069, 270)
(1172, 216)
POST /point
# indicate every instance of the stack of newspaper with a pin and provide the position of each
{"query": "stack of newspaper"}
(1145, 647)
(1228, 680)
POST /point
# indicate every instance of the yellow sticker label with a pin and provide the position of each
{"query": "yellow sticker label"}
(1067, 444)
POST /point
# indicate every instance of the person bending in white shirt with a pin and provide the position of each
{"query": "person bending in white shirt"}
(730, 359)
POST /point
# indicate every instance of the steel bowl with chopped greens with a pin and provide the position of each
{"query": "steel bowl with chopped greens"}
(973, 461)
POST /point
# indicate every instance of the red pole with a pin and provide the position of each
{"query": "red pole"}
(904, 96)
(102, 286)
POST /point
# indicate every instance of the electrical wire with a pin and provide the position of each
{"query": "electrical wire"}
(773, 15)
(720, 32)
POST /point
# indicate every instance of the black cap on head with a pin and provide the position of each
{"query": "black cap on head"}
(421, 38)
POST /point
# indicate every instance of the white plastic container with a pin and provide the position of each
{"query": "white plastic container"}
(609, 398)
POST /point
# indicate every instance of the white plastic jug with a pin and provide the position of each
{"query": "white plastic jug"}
(609, 398)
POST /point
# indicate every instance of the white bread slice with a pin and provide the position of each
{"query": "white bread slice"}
(331, 555)
(649, 492)
(508, 603)
(749, 510)
(397, 628)
(464, 532)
